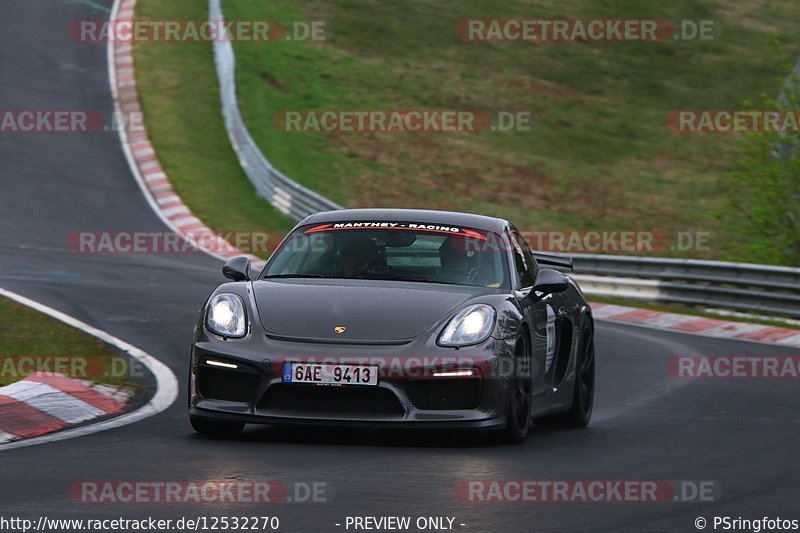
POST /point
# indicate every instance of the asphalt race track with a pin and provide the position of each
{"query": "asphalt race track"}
(741, 434)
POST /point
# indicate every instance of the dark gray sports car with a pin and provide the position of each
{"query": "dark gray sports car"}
(396, 318)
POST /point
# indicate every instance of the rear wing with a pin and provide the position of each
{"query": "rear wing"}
(563, 262)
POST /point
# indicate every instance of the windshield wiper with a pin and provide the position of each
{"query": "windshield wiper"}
(274, 276)
(424, 280)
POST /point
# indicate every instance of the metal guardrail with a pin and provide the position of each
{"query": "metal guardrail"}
(690, 270)
(737, 286)
(286, 195)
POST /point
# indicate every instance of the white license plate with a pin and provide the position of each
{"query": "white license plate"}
(330, 374)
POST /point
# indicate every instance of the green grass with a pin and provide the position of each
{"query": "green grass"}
(25, 333)
(599, 155)
(179, 95)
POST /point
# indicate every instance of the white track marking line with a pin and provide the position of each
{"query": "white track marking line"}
(166, 381)
(734, 329)
(609, 310)
(126, 146)
(667, 320)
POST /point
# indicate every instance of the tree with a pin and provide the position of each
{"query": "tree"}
(764, 194)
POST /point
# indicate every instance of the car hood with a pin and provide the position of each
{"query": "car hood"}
(371, 311)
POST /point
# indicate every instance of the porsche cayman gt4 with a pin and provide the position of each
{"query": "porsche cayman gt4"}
(396, 318)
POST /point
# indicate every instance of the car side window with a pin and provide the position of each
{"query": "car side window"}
(528, 255)
(524, 265)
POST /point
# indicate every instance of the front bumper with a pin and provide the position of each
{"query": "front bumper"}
(407, 396)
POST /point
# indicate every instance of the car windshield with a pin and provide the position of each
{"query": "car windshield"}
(398, 252)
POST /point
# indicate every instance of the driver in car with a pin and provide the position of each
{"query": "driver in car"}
(356, 255)
(462, 265)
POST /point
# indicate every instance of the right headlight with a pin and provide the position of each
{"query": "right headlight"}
(471, 325)
(225, 316)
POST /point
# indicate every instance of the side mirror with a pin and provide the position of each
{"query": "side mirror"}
(237, 269)
(550, 281)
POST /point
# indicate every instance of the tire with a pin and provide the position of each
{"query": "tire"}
(518, 419)
(580, 412)
(215, 427)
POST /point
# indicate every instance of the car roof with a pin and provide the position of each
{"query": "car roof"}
(422, 216)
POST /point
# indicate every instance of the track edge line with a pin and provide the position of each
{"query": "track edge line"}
(166, 381)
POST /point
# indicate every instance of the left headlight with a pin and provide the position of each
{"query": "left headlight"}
(225, 316)
(471, 325)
